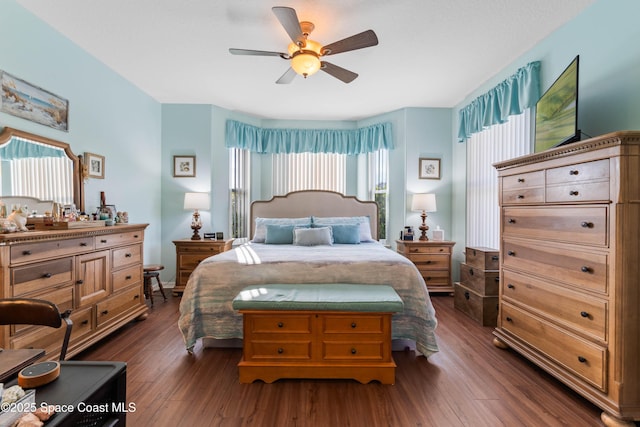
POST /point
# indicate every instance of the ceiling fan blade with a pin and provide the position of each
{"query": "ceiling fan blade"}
(338, 72)
(258, 53)
(359, 41)
(287, 77)
(289, 20)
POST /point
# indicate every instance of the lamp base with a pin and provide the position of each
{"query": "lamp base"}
(196, 235)
(424, 227)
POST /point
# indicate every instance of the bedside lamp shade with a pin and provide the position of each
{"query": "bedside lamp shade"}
(424, 203)
(195, 202)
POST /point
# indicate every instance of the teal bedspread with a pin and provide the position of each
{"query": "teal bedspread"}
(206, 308)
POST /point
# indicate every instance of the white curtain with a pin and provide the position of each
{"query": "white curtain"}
(309, 171)
(494, 144)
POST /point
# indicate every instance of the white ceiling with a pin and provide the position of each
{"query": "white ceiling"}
(431, 53)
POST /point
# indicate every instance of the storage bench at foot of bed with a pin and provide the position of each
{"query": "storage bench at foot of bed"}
(317, 331)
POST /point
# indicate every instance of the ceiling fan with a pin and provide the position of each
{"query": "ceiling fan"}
(305, 53)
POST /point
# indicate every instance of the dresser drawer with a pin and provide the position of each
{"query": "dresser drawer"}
(581, 269)
(42, 275)
(278, 323)
(525, 196)
(435, 277)
(126, 277)
(572, 309)
(129, 255)
(277, 350)
(190, 261)
(355, 351)
(116, 239)
(578, 183)
(37, 251)
(579, 173)
(83, 323)
(583, 358)
(523, 180)
(582, 225)
(353, 324)
(62, 297)
(431, 261)
(117, 304)
(423, 249)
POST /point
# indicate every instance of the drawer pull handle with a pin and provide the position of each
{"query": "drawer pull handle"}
(511, 253)
(427, 278)
(46, 275)
(136, 296)
(520, 196)
(103, 241)
(574, 172)
(280, 325)
(428, 261)
(280, 350)
(510, 286)
(497, 279)
(585, 269)
(584, 314)
(495, 258)
(509, 319)
(585, 224)
(573, 193)
(471, 272)
(582, 359)
(354, 351)
(128, 277)
(354, 325)
(26, 252)
(79, 282)
(105, 312)
(83, 243)
(466, 295)
(520, 179)
(511, 221)
(135, 236)
(127, 255)
(85, 322)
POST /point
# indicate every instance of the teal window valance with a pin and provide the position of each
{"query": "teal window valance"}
(19, 148)
(512, 96)
(275, 141)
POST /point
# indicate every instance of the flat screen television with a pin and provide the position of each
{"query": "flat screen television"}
(557, 111)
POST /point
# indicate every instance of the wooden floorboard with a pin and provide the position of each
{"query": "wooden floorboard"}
(468, 383)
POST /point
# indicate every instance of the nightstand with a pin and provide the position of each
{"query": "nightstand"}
(189, 253)
(433, 259)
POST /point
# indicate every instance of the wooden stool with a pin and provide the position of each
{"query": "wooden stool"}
(151, 271)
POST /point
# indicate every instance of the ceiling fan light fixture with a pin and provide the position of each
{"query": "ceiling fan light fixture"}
(306, 60)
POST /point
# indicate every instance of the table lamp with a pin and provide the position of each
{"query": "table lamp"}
(196, 201)
(424, 203)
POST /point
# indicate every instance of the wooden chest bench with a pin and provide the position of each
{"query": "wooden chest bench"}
(317, 331)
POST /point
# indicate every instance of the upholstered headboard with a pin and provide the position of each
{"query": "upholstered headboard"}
(314, 203)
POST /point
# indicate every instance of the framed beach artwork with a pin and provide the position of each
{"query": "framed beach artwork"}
(184, 166)
(95, 165)
(22, 99)
(429, 168)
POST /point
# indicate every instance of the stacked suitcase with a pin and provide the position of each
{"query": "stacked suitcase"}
(477, 292)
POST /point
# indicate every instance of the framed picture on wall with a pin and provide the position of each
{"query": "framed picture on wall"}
(94, 164)
(429, 168)
(184, 166)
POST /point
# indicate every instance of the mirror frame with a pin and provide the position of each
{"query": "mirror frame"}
(78, 182)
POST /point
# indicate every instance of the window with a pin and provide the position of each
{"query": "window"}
(494, 144)
(239, 192)
(379, 187)
(309, 171)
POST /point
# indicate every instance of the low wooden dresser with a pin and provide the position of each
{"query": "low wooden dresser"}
(317, 331)
(570, 267)
(433, 259)
(190, 253)
(96, 272)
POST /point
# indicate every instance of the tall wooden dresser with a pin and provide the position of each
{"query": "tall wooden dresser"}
(95, 272)
(570, 267)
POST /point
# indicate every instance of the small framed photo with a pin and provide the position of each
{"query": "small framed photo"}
(95, 165)
(429, 168)
(184, 166)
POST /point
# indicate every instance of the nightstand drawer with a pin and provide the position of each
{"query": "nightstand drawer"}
(191, 261)
(431, 261)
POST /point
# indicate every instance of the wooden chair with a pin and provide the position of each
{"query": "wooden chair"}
(152, 271)
(28, 311)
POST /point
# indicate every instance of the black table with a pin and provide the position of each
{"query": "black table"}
(87, 394)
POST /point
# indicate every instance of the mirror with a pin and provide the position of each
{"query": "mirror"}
(32, 166)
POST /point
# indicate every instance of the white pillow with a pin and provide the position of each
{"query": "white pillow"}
(260, 232)
(363, 221)
(312, 236)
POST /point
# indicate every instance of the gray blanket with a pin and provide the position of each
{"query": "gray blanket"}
(206, 310)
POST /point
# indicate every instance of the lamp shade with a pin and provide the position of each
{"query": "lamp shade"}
(424, 202)
(199, 201)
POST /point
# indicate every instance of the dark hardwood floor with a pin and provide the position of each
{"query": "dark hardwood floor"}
(468, 383)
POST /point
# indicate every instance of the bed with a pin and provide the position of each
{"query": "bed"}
(206, 307)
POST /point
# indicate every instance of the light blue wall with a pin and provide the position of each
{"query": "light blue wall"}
(107, 116)
(606, 36)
